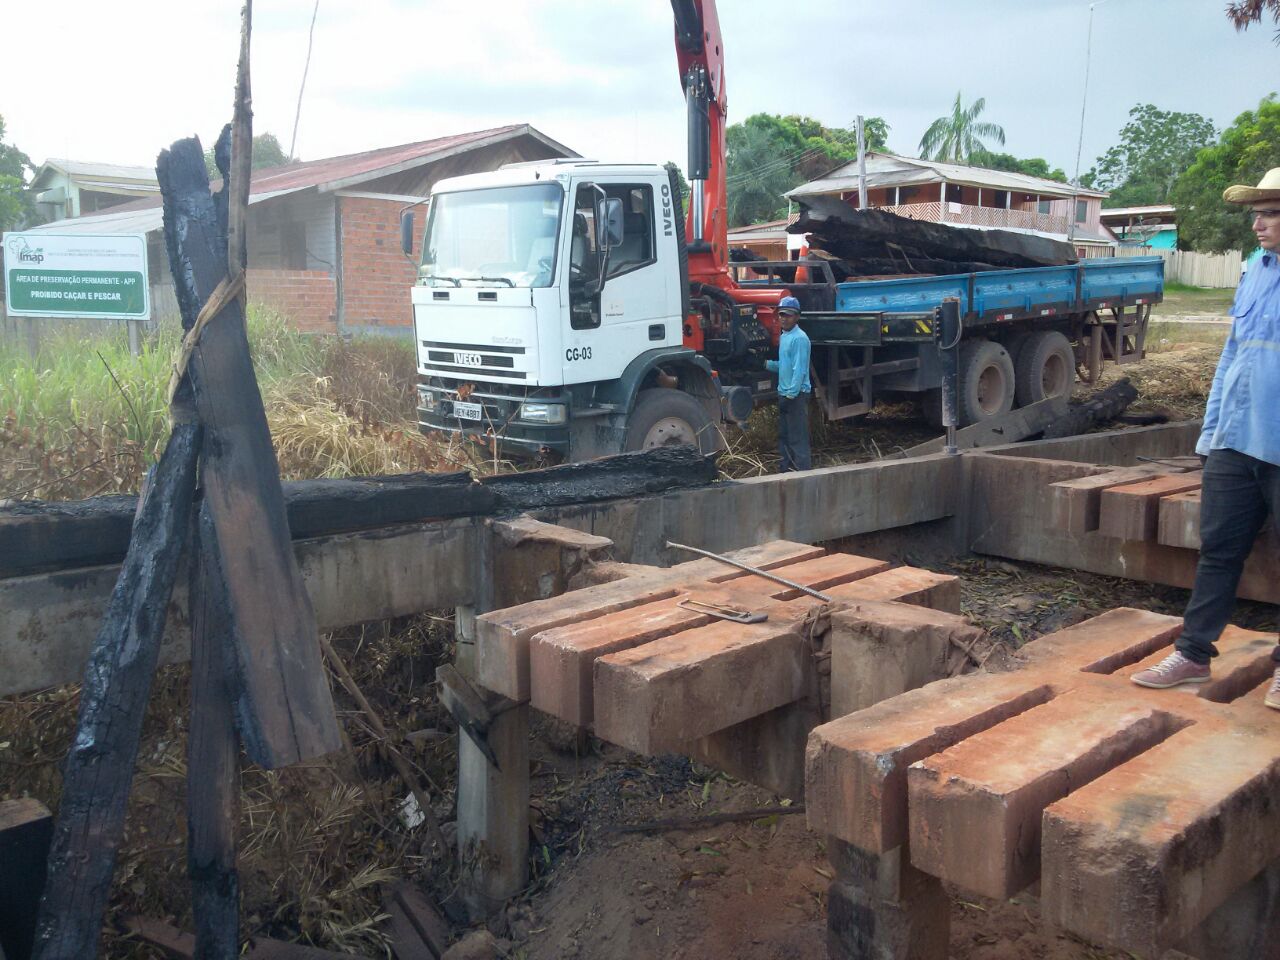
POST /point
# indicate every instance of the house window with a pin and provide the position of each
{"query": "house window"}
(1042, 206)
(1082, 211)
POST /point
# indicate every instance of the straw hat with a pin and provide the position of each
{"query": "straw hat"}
(1268, 188)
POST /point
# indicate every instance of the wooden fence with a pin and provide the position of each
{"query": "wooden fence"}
(1221, 270)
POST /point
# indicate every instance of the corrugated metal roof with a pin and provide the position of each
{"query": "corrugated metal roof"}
(117, 221)
(99, 171)
(1156, 209)
(889, 170)
(331, 173)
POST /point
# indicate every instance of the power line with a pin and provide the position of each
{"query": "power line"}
(303, 86)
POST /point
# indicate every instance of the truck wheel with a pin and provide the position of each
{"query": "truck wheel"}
(664, 417)
(1046, 367)
(986, 381)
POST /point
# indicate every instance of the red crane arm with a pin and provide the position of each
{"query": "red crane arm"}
(700, 55)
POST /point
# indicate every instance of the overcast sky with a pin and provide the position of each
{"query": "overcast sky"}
(117, 82)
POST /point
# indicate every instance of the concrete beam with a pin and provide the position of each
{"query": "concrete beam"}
(815, 506)
(48, 621)
(1007, 517)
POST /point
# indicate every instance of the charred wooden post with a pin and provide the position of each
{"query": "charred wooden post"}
(284, 708)
(99, 766)
(213, 759)
(26, 828)
(1103, 408)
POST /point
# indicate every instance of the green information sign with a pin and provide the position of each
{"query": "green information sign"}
(88, 292)
(76, 275)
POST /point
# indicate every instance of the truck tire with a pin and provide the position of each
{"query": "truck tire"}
(664, 417)
(986, 381)
(1045, 367)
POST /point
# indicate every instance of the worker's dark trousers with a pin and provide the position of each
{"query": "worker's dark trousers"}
(1237, 495)
(793, 432)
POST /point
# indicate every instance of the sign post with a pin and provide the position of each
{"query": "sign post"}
(77, 275)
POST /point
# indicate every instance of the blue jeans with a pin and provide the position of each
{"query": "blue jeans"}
(1238, 494)
(793, 432)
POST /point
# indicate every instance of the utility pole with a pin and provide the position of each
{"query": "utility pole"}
(862, 166)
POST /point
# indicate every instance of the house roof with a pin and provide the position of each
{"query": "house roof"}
(889, 170)
(97, 175)
(1153, 210)
(772, 229)
(326, 176)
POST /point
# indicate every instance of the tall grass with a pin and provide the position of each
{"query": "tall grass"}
(84, 417)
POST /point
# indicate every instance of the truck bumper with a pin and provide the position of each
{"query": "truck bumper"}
(501, 420)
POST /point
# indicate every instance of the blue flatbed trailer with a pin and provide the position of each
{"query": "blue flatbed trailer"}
(1024, 333)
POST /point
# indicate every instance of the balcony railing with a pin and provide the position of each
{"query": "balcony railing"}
(995, 217)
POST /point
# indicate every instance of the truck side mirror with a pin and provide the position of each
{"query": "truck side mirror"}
(406, 232)
(613, 222)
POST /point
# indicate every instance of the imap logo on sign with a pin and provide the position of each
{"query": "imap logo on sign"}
(76, 275)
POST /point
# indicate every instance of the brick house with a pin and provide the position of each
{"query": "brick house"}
(324, 235)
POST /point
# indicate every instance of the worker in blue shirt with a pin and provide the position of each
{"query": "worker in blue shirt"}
(1240, 447)
(792, 368)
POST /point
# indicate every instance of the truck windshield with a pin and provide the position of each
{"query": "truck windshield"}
(503, 235)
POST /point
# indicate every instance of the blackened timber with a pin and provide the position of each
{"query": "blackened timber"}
(37, 537)
(284, 708)
(213, 762)
(1101, 408)
(99, 765)
(851, 234)
(619, 477)
(26, 828)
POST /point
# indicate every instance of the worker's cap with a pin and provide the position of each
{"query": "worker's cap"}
(789, 305)
(1268, 188)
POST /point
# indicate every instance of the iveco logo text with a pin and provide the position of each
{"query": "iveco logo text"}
(578, 353)
(666, 211)
(468, 359)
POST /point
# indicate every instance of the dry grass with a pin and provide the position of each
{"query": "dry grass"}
(318, 841)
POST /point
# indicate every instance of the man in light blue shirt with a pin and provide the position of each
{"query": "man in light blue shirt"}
(1240, 447)
(792, 368)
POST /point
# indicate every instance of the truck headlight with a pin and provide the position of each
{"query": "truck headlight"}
(426, 398)
(543, 412)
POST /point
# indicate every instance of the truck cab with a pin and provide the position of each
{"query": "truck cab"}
(549, 298)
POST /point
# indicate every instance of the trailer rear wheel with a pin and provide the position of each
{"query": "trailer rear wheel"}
(664, 417)
(1046, 367)
(986, 381)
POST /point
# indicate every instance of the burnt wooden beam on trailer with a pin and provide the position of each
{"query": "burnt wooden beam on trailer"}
(213, 759)
(38, 537)
(99, 766)
(284, 708)
(851, 234)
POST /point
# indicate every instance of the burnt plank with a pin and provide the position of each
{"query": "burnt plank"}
(99, 765)
(213, 763)
(36, 536)
(284, 708)
(26, 827)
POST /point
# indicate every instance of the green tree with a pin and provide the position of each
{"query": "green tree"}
(1155, 147)
(957, 137)
(1034, 167)
(768, 154)
(16, 206)
(267, 152)
(1247, 149)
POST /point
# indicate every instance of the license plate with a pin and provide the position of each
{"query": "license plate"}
(468, 359)
(468, 411)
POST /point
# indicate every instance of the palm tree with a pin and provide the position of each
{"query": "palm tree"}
(955, 138)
